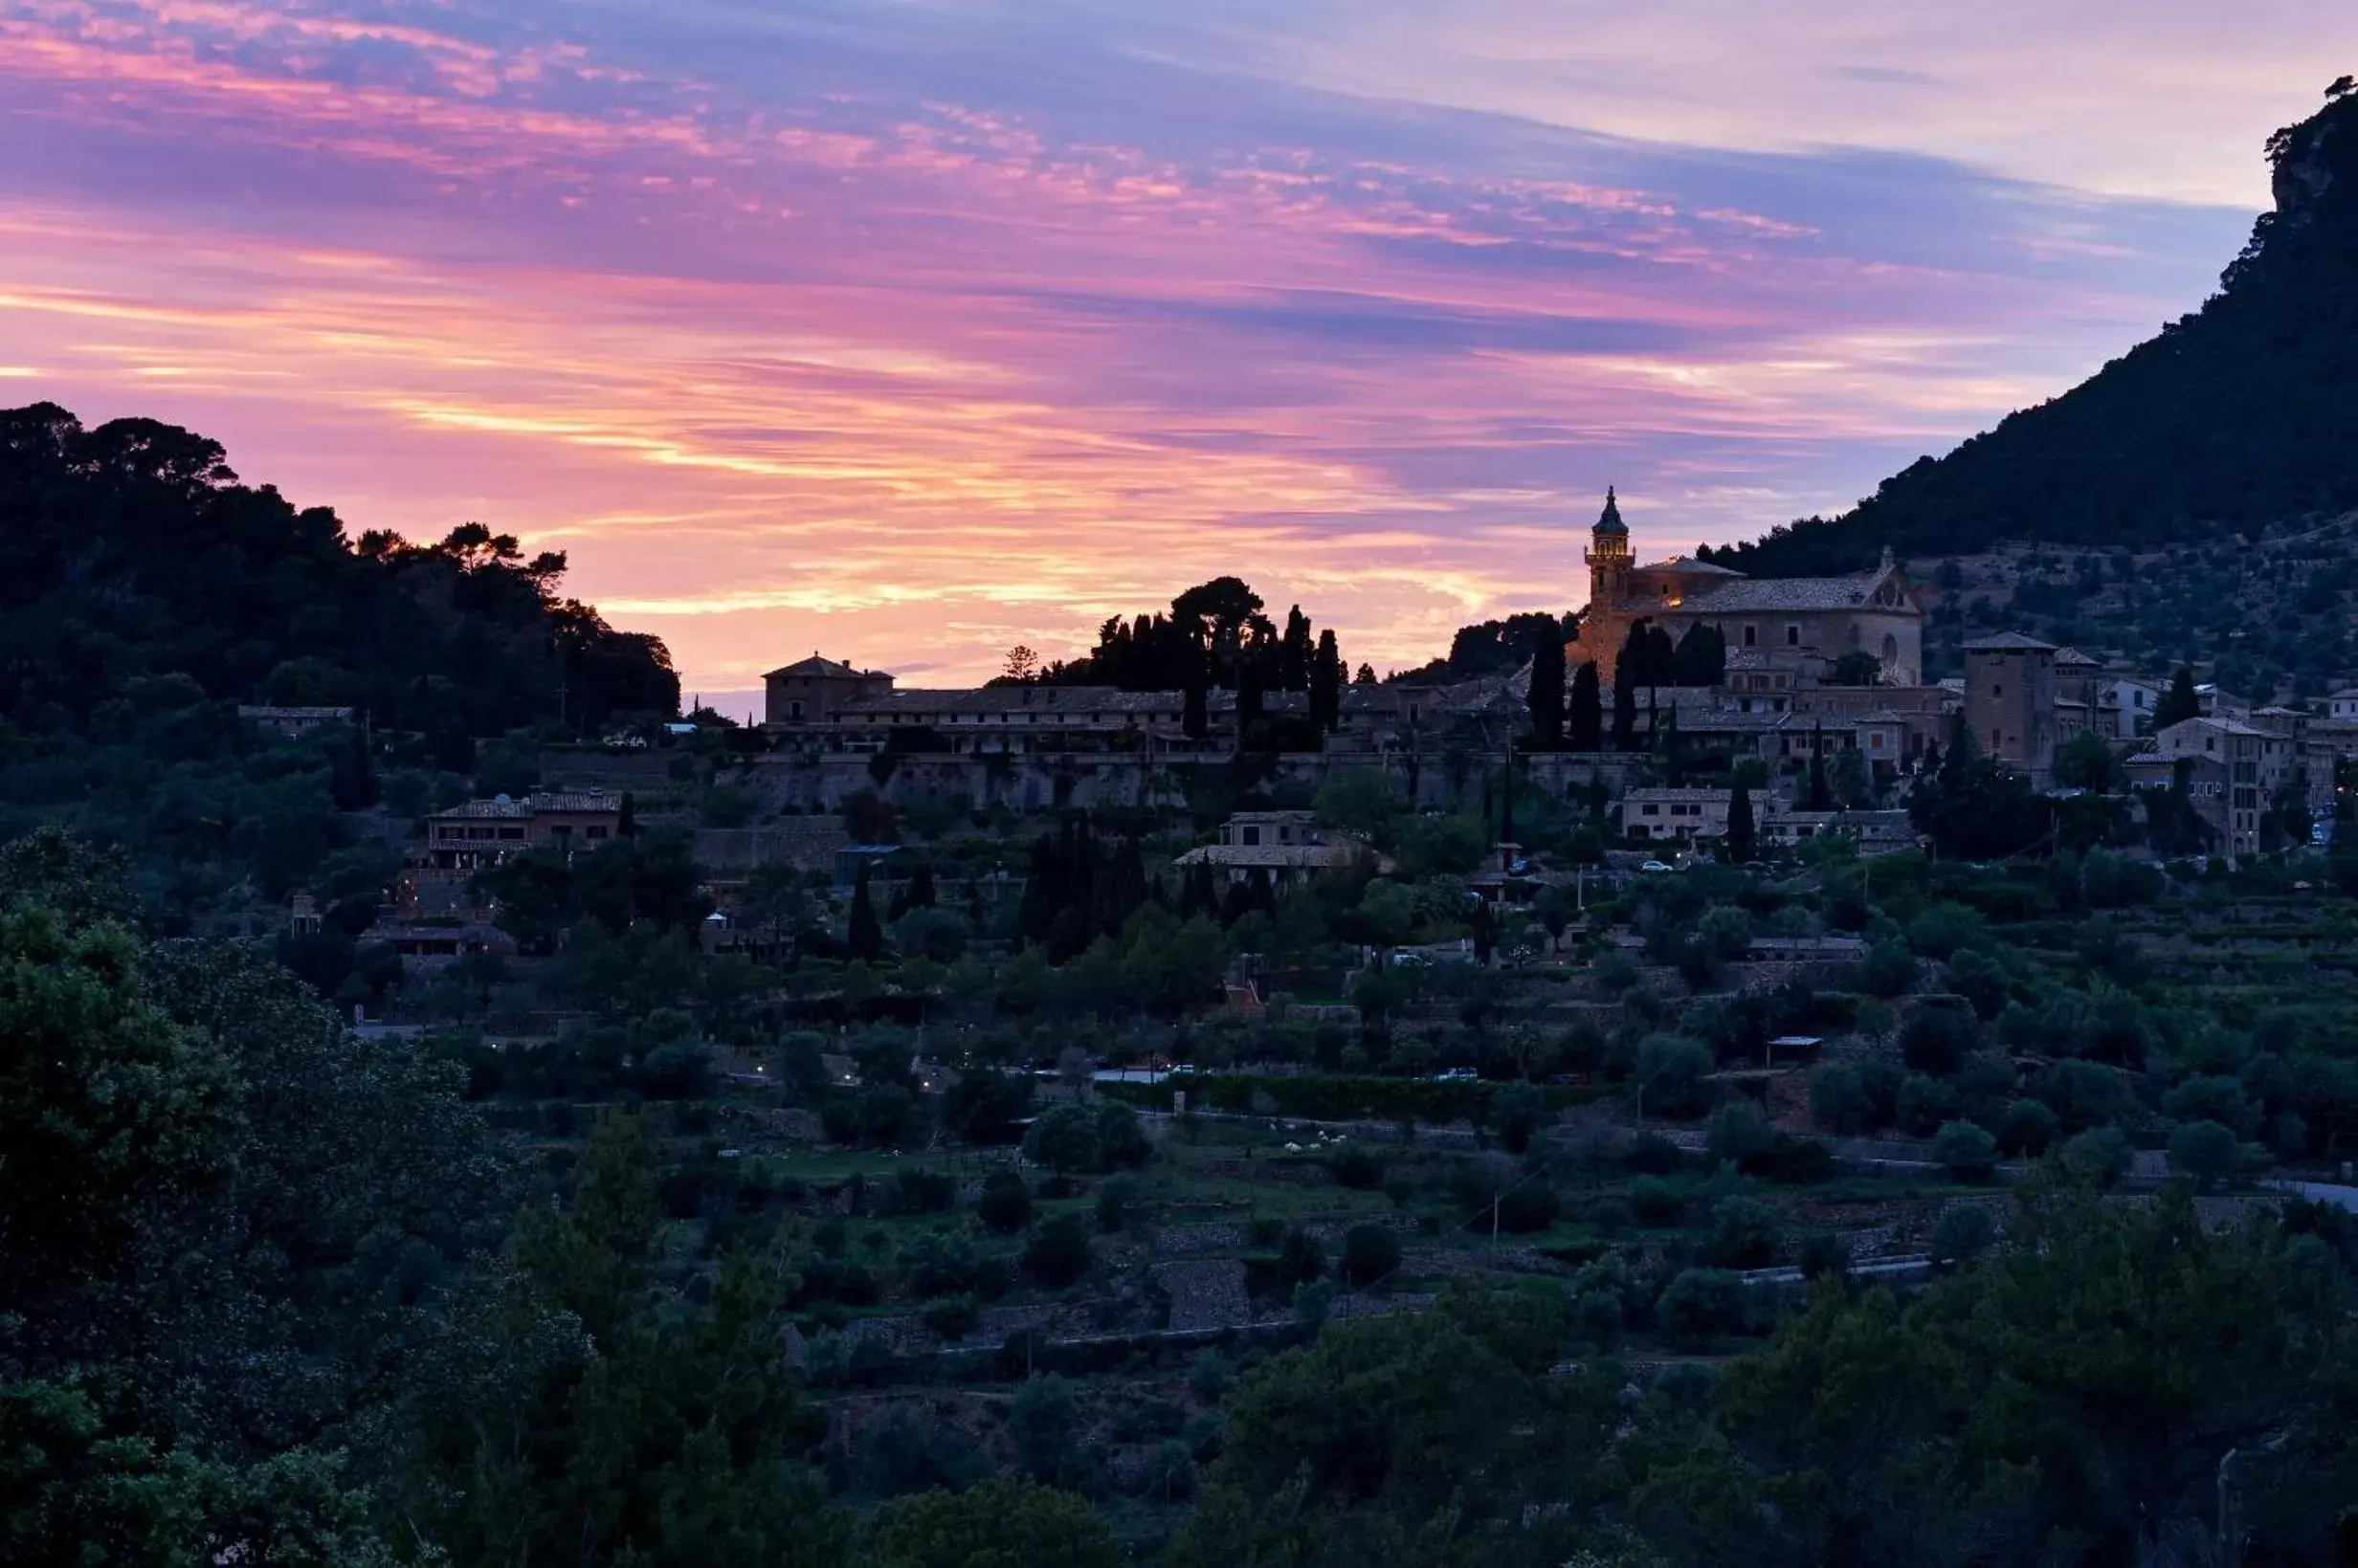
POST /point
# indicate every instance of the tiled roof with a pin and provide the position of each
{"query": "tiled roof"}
(2008, 642)
(1686, 565)
(536, 803)
(1770, 594)
(2071, 658)
(814, 665)
(1059, 702)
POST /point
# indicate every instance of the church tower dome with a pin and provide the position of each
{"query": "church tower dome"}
(1608, 556)
(1609, 521)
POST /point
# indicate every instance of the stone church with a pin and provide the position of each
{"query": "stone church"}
(1789, 629)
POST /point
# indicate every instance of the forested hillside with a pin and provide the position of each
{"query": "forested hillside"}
(145, 593)
(2243, 413)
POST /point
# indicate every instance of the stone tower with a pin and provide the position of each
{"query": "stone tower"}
(1609, 557)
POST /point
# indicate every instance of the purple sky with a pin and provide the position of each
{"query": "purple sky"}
(911, 330)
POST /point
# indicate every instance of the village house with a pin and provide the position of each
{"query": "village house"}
(2253, 766)
(1679, 815)
(1286, 847)
(816, 690)
(480, 833)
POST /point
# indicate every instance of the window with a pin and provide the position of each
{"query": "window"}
(1650, 811)
(1997, 691)
(1996, 739)
(1752, 636)
(1252, 836)
(1793, 636)
(794, 710)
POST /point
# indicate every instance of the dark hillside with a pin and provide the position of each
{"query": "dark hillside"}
(2243, 413)
(145, 593)
(131, 552)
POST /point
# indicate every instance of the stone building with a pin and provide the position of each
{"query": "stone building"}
(2253, 765)
(2010, 700)
(816, 690)
(1798, 626)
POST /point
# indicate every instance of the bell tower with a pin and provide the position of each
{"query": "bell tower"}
(1608, 558)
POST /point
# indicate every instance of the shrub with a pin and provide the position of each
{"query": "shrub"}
(1699, 1306)
(1745, 1233)
(1656, 1202)
(1113, 1202)
(1525, 1208)
(1824, 1256)
(1004, 1204)
(1121, 1140)
(1058, 1255)
(2026, 1127)
(2100, 1157)
(1739, 1131)
(1358, 1168)
(1839, 1099)
(1065, 1139)
(1941, 931)
(1792, 1160)
(1924, 1104)
(1597, 1318)
(2217, 1098)
(1968, 1152)
(1264, 1231)
(1962, 1233)
(952, 1317)
(1671, 1070)
(1936, 1038)
(922, 1192)
(2206, 1151)
(1370, 1253)
(1516, 1112)
(1887, 970)
(1301, 1258)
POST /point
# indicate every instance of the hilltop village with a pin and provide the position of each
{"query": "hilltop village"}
(1805, 695)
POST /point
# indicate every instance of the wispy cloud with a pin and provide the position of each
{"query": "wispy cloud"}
(912, 331)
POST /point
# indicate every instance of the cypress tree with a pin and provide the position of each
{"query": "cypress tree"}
(863, 934)
(1326, 677)
(1742, 842)
(1547, 698)
(1584, 724)
(920, 893)
(2180, 702)
(1624, 702)
(1822, 798)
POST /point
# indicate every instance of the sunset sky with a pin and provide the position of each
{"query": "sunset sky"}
(908, 329)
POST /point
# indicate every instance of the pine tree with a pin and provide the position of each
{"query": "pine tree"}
(1547, 698)
(2180, 702)
(1742, 842)
(863, 934)
(1585, 722)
